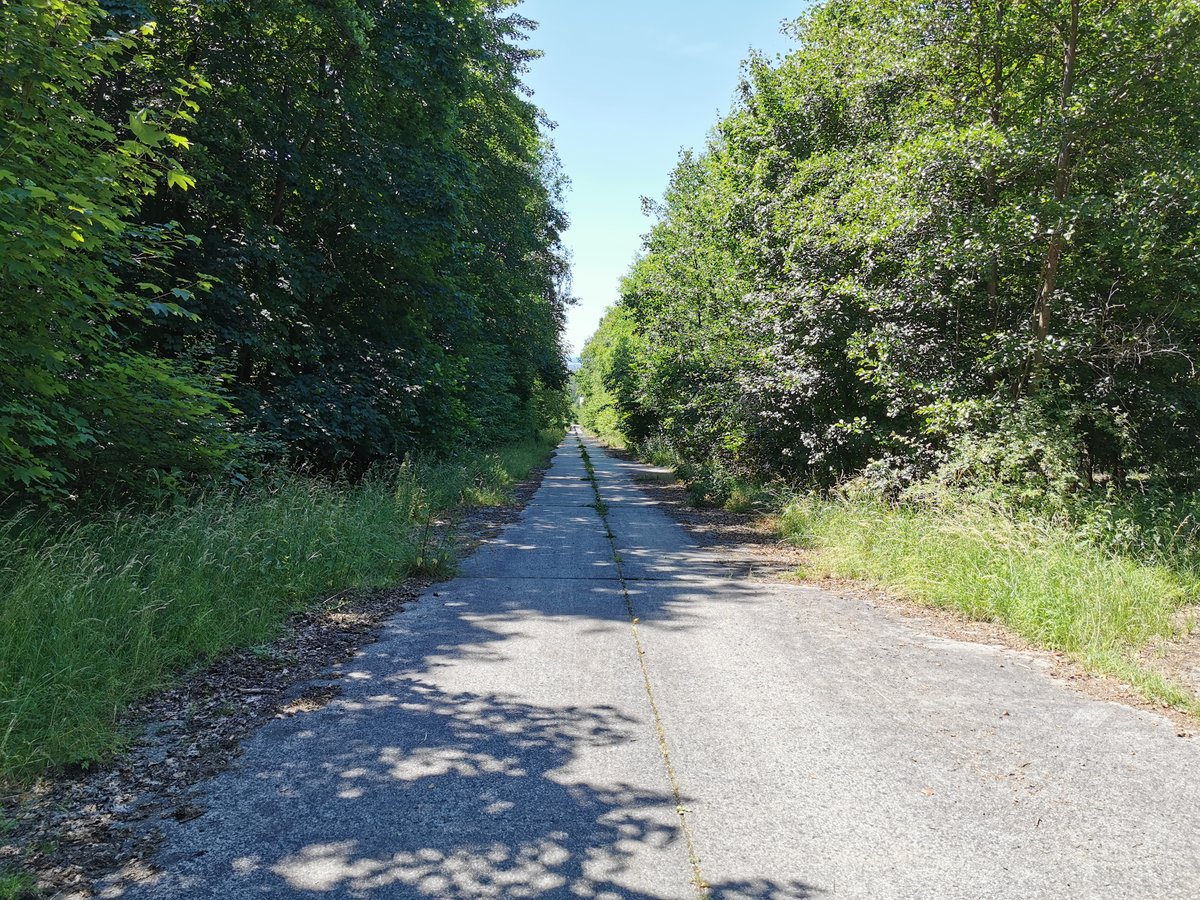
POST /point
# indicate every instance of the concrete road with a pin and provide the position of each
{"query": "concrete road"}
(592, 714)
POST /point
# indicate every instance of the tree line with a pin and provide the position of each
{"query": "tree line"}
(938, 239)
(325, 232)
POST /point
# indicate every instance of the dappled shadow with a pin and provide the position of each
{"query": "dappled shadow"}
(471, 795)
(495, 742)
(762, 889)
(660, 535)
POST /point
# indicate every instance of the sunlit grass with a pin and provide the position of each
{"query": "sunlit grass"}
(98, 613)
(1044, 581)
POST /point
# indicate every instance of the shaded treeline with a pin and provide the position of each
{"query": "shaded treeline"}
(321, 230)
(939, 239)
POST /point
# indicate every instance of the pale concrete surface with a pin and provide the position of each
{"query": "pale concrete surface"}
(498, 741)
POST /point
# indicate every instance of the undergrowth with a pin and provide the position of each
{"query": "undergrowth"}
(98, 613)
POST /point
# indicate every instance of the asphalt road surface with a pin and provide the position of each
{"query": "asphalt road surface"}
(597, 708)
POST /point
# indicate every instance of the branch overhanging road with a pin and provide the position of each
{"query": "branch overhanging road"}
(597, 708)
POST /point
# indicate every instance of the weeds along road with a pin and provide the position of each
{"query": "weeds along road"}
(597, 708)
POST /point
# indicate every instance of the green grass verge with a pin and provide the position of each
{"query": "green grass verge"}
(1047, 583)
(97, 614)
(15, 886)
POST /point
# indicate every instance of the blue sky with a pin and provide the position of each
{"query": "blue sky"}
(630, 84)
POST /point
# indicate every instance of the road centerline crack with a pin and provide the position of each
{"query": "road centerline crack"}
(698, 880)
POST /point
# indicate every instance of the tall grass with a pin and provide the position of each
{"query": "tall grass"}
(658, 452)
(98, 613)
(1047, 582)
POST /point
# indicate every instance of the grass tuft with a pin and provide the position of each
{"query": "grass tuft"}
(16, 886)
(97, 614)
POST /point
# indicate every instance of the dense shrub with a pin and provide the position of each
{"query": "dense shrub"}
(937, 239)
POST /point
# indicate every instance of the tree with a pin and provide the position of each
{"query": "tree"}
(931, 222)
(79, 264)
(361, 260)
(375, 201)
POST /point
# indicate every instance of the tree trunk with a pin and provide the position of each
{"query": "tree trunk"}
(1062, 186)
(991, 191)
(245, 365)
(282, 154)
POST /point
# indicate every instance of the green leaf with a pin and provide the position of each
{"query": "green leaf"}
(180, 179)
(144, 131)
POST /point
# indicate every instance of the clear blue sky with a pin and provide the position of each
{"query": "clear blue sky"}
(630, 84)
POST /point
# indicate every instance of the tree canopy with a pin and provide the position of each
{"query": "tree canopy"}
(327, 232)
(954, 237)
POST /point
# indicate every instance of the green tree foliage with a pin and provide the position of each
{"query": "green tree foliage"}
(368, 195)
(79, 266)
(937, 234)
(605, 381)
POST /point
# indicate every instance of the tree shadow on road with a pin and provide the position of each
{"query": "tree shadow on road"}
(473, 797)
(432, 777)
